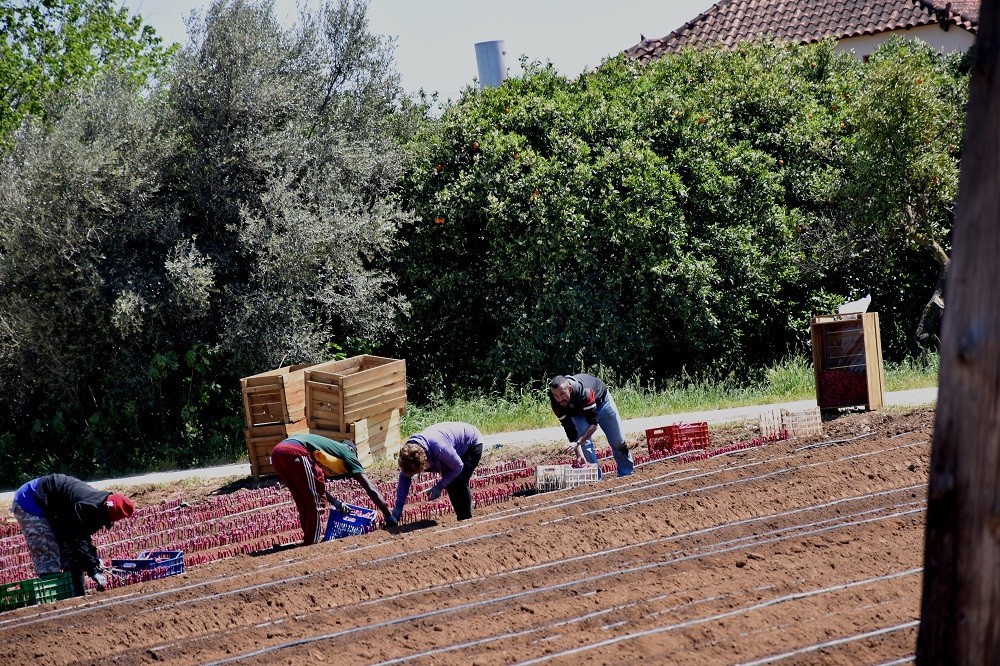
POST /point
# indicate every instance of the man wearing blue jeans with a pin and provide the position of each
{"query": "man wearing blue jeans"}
(582, 403)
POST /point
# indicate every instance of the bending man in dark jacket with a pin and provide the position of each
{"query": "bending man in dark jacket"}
(583, 402)
(58, 514)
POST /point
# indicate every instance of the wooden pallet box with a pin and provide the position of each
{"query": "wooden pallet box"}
(360, 398)
(847, 361)
(276, 396)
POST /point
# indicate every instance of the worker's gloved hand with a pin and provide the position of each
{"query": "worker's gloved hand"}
(391, 521)
(101, 579)
(342, 508)
(570, 448)
(396, 513)
(433, 493)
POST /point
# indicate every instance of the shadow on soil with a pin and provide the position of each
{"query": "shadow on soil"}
(246, 483)
(276, 548)
(412, 527)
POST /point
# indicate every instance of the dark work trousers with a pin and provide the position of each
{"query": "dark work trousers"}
(458, 490)
(304, 477)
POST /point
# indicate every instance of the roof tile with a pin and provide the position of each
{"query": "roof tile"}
(806, 21)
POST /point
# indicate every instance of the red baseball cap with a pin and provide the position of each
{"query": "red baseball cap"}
(119, 506)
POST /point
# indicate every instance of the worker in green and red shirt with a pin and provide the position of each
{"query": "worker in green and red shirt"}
(304, 461)
(582, 403)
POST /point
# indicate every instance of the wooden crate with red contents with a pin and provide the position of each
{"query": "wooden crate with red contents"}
(847, 361)
(678, 437)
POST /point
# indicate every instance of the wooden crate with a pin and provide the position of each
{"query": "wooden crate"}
(276, 396)
(261, 440)
(847, 361)
(339, 393)
(360, 398)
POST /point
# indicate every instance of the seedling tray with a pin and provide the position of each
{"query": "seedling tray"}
(165, 562)
(340, 525)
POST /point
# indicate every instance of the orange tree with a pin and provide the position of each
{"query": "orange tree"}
(689, 214)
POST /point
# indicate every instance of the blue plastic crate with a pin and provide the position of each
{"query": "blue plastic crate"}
(340, 525)
(166, 562)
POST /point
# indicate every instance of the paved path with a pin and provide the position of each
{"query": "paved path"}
(538, 436)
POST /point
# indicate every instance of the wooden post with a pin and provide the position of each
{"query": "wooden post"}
(960, 608)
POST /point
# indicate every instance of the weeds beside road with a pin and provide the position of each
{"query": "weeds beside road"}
(789, 381)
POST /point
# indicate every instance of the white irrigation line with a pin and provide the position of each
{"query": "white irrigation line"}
(561, 586)
(835, 441)
(724, 484)
(130, 598)
(705, 550)
(563, 623)
(119, 600)
(798, 596)
(833, 643)
(500, 637)
(395, 597)
(903, 660)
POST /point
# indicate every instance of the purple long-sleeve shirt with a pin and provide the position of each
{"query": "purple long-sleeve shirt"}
(445, 444)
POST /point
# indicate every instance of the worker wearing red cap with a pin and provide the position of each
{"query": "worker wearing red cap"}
(58, 515)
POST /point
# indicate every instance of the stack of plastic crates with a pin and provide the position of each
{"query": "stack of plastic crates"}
(149, 565)
(678, 438)
(560, 477)
(36, 591)
(358, 521)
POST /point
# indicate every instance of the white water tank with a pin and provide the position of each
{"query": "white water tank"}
(489, 60)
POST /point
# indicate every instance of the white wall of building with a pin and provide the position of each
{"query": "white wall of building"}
(948, 41)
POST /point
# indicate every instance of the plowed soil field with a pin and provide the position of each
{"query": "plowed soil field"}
(799, 552)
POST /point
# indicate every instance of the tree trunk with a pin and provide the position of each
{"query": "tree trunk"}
(928, 328)
(960, 609)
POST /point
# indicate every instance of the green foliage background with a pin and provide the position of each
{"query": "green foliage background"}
(692, 213)
(175, 220)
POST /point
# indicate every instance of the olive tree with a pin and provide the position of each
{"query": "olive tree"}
(159, 243)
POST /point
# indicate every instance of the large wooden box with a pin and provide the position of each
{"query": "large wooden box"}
(847, 361)
(360, 398)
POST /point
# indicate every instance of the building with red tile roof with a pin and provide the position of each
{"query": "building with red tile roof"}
(858, 25)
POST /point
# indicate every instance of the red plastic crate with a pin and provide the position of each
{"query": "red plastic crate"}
(678, 437)
(657, 439)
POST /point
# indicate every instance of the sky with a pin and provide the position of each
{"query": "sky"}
(435, 39)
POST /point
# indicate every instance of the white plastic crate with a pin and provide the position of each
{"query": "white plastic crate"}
(771, 422)
(806, 423)
(560, 477)
(548, 477)
(578, 476)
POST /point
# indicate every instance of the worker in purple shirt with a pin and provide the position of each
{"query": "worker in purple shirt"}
(451, 449)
